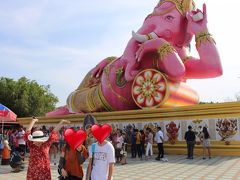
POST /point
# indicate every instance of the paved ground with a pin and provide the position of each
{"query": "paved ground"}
(178, 167)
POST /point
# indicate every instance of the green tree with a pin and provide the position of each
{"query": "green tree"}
(26, 98)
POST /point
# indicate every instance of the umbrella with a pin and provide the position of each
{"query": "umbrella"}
(6, 115)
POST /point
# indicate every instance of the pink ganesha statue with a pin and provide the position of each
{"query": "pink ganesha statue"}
(155, 65)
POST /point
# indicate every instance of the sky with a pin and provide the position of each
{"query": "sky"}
(57, 42)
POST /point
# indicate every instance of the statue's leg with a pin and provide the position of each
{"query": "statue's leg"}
(88, 97)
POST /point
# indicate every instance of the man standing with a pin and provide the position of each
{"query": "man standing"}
(159, 140)
(101, 161)
(133, 143)
(190, 139)
(21, 142)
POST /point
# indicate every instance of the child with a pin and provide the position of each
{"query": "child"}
(6, 153)
(39, 164)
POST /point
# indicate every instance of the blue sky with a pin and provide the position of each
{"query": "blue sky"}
(57, 42)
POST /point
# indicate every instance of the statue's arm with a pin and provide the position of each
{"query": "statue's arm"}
(208, 64)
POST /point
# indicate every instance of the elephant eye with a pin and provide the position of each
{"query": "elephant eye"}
(169, 18)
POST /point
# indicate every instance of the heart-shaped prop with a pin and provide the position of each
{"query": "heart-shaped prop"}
(75, 138)
(101, 132)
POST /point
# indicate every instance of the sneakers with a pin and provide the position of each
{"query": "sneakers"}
(164, 159)
(157, 158)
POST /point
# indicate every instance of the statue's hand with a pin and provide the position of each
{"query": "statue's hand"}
(97, 71)
(195, 27)
(131, 71)
(149, 46)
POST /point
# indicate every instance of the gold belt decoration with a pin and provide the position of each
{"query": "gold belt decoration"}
(186, 59)
(203, 37)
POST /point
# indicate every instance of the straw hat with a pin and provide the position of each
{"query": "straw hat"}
(37, 136)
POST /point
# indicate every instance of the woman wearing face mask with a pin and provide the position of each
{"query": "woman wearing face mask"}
(39, 144)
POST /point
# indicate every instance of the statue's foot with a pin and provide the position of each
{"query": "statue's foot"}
(63, 110)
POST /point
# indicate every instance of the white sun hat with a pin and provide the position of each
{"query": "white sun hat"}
(37, 136)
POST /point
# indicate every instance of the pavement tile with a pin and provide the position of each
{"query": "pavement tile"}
(177, 168)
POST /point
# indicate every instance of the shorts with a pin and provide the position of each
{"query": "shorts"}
(206, 143)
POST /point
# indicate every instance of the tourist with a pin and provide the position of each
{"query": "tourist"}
(159, 140)
(123, 152)
(138, 144)
(119, 145)
(16, 161)
(149, 141)
(5, 153)
(190, 139)
(142, 141)
(70, 163)
(53, 151)
(21, 142)
(205, 138)
(101, 161)
(133, 142)
(39, 144)
(1, 144)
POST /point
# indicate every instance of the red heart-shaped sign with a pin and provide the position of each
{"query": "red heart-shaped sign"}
(101, 132)
(75, 138)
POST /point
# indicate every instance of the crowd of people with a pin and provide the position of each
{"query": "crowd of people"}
(47, 145)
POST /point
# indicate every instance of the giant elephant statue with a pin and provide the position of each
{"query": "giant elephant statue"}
(155, 65)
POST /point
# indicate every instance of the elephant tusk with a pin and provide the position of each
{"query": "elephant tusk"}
(143, 38)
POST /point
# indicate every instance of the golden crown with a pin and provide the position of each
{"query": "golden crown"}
(182, 6)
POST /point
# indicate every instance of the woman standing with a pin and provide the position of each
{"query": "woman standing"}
(205, 138)
(39, 144)
(70, 163)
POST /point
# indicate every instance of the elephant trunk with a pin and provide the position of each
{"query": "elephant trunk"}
(143, 38)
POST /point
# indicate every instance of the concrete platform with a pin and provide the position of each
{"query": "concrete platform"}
(177, 168)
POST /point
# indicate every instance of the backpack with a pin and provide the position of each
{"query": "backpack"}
(15, 159)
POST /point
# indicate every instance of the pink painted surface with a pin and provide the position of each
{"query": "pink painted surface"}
(171, 27)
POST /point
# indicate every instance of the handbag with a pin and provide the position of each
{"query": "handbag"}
(81, 158)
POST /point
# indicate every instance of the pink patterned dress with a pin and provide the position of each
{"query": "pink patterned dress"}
(39, 164)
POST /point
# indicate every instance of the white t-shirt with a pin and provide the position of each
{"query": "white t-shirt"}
(20, 135)
(103, 155)
(120, 142)
(158, 136)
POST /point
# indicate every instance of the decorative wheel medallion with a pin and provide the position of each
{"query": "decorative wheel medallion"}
(149, 88)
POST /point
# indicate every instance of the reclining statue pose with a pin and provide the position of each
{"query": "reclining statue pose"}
(155, 64)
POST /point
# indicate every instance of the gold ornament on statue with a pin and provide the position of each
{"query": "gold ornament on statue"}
(182, 6)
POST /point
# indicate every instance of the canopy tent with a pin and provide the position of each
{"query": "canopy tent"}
(6, 115)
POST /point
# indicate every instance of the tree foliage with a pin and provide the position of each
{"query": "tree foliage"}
(26, 98)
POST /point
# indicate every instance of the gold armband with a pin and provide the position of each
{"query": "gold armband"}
(164, 50)
(186, 59)
(111, 58)
(149, 36)
(203, 37)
